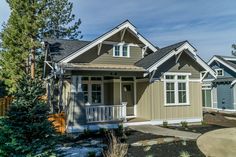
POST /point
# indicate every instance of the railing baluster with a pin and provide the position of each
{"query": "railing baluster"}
(105, 113)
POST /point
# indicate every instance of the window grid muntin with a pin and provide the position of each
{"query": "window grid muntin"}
(174, 78)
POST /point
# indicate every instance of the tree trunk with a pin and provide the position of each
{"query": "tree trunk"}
(33, 63)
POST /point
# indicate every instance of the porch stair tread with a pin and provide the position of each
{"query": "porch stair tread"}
(157, 130)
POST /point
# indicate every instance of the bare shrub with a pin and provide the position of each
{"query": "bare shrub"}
(115, 147)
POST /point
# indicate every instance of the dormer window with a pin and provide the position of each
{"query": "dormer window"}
(121, 50)
(219, 72)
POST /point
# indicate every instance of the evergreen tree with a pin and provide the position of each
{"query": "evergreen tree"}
(30, 21)
(61, 23)
(26, 130)
(20, 39)
(234, 50)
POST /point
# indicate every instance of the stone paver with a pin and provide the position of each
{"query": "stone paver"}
(218, 143)
(165, 131)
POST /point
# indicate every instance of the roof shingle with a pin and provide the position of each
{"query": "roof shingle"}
(152, 58)
(60, 48)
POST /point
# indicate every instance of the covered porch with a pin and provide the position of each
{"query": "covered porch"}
(101, 95)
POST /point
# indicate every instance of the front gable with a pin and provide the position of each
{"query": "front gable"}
(227, 71)
(185, 64)
(123, 33)
(105, 53)
(154, 61)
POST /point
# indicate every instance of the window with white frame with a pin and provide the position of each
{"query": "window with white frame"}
(116, 50)
(176, 89)
(92, 89)
(121, 50)
(96, 93)
(85, 93)
(219, 72)
(206, 95)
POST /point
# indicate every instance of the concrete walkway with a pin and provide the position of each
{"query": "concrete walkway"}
(218, 143)
(165, 131)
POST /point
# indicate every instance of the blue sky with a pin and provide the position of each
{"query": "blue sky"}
(209, 25)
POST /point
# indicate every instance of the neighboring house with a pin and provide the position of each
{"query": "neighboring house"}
(220, 93)
(121, 77)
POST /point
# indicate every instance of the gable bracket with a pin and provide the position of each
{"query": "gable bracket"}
(99, 48)
(206, 72)
(153, 73)
(178, 56)
(123, 34)
(144, 50)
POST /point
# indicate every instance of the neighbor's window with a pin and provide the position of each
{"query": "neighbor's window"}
(176, 89)
(219, 72)
(121, 50)
(96, 93)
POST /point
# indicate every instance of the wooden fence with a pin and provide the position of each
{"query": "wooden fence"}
(4, 104)
(58, 121)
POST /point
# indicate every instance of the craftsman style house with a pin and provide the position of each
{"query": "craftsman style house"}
(220, 92)
(121, 77)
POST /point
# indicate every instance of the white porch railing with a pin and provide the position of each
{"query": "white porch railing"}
(105, 113)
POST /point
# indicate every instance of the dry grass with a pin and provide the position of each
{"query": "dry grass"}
(115, 147)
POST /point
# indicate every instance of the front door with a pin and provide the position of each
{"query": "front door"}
(128, 96)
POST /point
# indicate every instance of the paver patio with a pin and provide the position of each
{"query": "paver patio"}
(218, 143)
(165, 131)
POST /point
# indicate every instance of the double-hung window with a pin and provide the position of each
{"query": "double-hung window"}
(121, 50)
(85, 93)
(92, 90)
(117, 51)
(176, 89)
(96, 93)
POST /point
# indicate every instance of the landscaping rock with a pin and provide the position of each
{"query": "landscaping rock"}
(80, 151)
(169, 139)
(136, 144)
(150, 143)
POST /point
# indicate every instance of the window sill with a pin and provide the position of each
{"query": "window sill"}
(169, 105)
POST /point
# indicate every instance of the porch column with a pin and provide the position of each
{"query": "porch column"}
(234, 96)
(76, 113)
(214, 97)
(117, 92)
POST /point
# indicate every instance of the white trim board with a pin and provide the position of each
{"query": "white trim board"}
(96, 127)
(160, 122)
(183, 47)
(105, 36)
(91, 127)
(222, 62)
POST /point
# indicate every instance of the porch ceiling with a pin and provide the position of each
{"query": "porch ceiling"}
(102, 67)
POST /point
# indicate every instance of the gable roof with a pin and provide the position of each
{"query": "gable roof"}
(60, 48)
(126, 24)
(154, 60)
(229, 62)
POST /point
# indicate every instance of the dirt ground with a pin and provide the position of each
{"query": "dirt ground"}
(169, 149)
(220, 119)
(211, 121)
